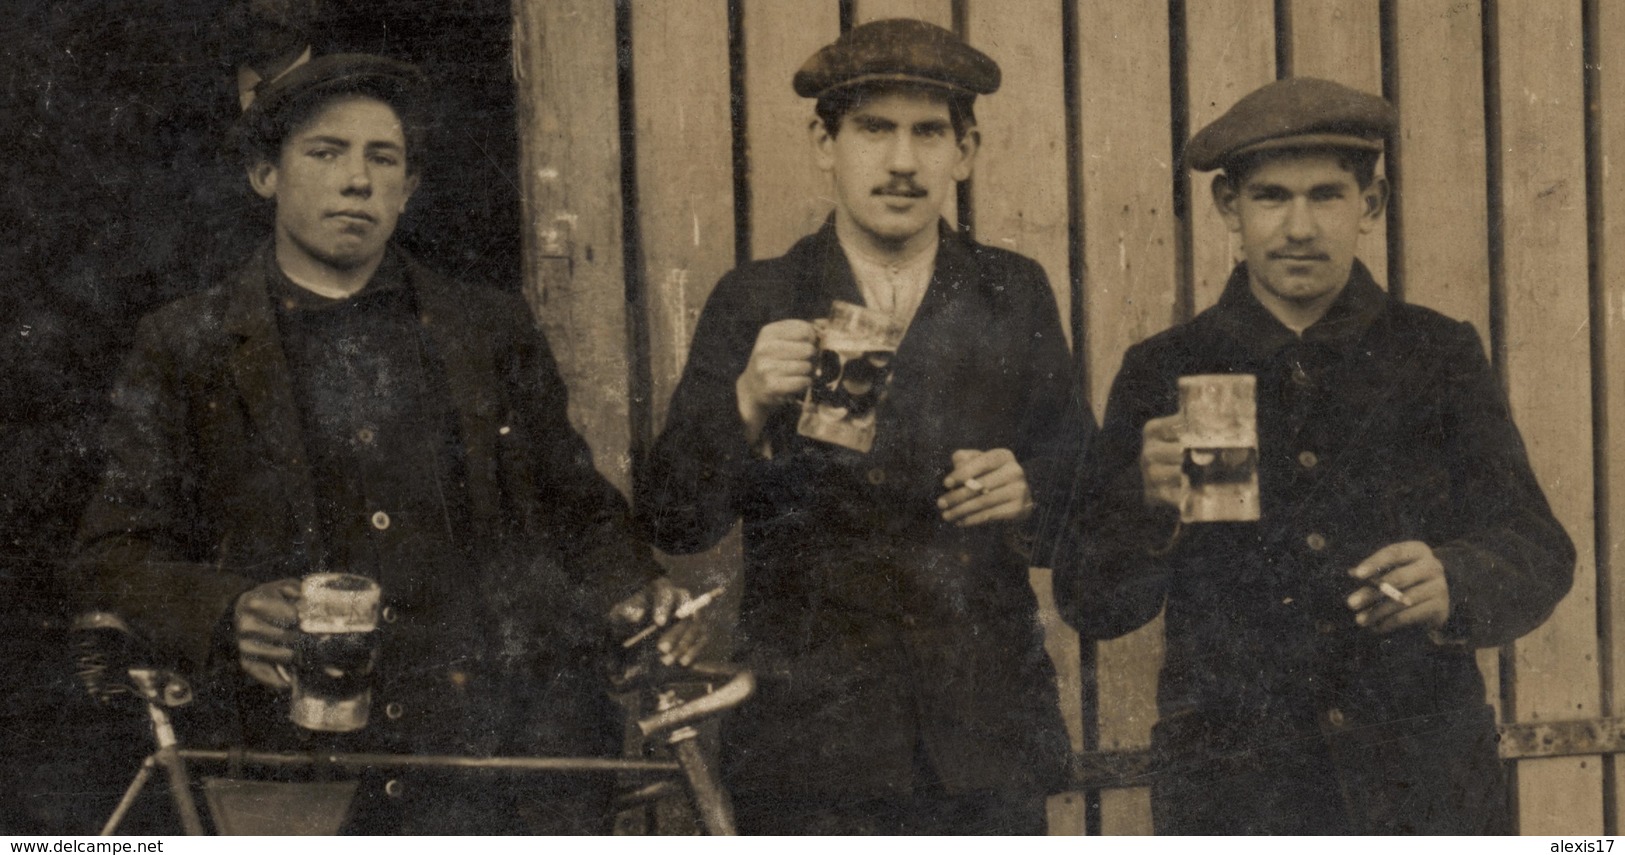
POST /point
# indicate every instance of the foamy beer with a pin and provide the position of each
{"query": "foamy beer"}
(850, 375)
(1220, 440)
(336, 652)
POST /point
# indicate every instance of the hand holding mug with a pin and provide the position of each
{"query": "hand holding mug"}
(779, 371)
(266, 619)
(1162, 458)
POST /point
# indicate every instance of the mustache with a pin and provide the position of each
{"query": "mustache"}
(901, 187)
(1299, 255)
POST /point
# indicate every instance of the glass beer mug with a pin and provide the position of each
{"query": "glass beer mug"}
(336, 652)
(1220, 440)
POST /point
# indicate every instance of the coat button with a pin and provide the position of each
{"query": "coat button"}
(1316, 541)
(877, 476)
(394, 710)
(1308, 459)
(365, 435)
(380, 520)
(1334, 717)
(1325, 627)
(1301, 377)
(910, 621)
(394, 788)
(388, 614)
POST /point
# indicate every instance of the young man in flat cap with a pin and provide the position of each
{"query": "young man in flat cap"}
(1320, 675)
(339, 407)
(890, 520)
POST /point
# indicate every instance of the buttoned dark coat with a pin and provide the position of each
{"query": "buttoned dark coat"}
(1382, 424)
(871, 623)
(208, 493)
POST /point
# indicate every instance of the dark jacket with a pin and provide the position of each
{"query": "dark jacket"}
(874, 625)
(208, 493)
(1382, 424)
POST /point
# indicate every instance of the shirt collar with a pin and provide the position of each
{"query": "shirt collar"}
(1247, 321)
(289, 297)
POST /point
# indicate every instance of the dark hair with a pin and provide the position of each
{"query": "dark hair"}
(833, 105)
(1361, 162)
(260, 135)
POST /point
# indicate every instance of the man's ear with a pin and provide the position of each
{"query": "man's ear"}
(1224, 198)
(412, 181)
(1376, 203)
(969, 145)
(262, 177)
(823, 143)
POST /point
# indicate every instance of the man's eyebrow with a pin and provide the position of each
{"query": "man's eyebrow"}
(324, 138)
(389, 144)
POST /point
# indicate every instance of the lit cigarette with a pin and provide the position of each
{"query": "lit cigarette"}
(683, 612)
(1393, 593)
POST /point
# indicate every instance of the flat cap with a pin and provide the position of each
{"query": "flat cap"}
(264, 122)
(899, 50)
(1299, 112)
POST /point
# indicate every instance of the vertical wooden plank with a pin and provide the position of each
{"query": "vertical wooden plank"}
(1440, 94)
(1341, 40)
(1548, 373)
(1020, 198)
(565, 74)
(1230, 51)
(789, 196)
(939, 12)
(1338, 40)
(685, 171)
(1127, 181)
(1020, 204)
(1610, 313)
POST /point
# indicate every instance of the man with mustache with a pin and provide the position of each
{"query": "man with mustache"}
(1319, 675)
(904, 687)
(337, 406)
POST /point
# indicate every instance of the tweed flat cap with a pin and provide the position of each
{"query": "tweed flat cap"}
(264, 122)
(901, 50)
(1299, 112)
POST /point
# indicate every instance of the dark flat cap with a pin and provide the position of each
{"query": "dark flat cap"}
(277, 100)
(899, 50)
(1299, 112)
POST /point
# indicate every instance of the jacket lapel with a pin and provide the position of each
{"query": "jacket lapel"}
(260, 371)
(466, 371)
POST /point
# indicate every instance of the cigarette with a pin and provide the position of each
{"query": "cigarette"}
(1393, 593)
(683, 612)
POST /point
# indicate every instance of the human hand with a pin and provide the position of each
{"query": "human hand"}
(659, 604)
(780, 368)
(265, 618)
(1162, 459)
(1410, 570)
(984, 487)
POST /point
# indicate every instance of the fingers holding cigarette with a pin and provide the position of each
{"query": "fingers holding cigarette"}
(684, 638)
(985, 486)
(1405, 586)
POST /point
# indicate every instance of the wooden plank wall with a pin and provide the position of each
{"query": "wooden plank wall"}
(690, 154)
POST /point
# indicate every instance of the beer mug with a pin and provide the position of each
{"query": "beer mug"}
(851, 374)
(1220, 441)
(336, 652)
